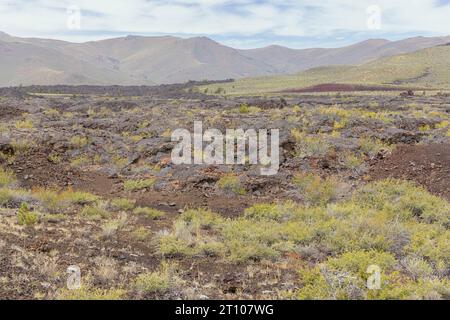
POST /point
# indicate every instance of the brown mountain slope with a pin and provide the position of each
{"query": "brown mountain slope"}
(193, 59)
(147, 60)
(290, 61)
(160, 60)
(26, 64)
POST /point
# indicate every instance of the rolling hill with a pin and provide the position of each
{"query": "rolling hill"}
(291, 61)
(426, 68)
(26, 64)
(136, 60)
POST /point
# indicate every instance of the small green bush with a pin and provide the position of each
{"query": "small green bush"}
(247, 240)
(159, 281)
(264, 211)
(95, 213)
(78, 141)
(231, 183)
(171, 245)
(372, 147)
(7, 178)
(25, 217)
(187, 237)
(136, 185)
(317, 191)
(244, 108)
(57, 202)
(352, 161)
(149, 213)
(310, 146)
(51, 201)
(79, 197)
(211, 248)
(24, 124)
(405, 201)
(201, 219)
(343, 277)
(141, 234)
(122, 204)
(89, 293)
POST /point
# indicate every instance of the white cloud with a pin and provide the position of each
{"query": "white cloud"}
(233, 18)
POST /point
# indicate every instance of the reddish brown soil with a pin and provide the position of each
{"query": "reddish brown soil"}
(428, 165)
(35, 170)
(339, 87)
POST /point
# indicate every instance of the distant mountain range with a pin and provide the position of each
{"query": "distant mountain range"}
(136, 60)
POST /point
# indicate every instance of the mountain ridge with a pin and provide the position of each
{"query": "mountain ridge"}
(425, 69)
(134, 60)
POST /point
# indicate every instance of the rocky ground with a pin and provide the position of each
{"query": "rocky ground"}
(95, 170)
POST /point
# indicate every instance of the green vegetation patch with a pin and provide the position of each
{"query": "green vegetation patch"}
(91, 293)
(231, 183)
(159, 281)
(122, 204)
(137, 185)
(26, 217)
(392, 224)
(7, 178)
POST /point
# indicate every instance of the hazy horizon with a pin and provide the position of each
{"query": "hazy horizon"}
(237, 23)
(221, 42)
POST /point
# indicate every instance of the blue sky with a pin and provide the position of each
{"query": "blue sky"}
(238, 23)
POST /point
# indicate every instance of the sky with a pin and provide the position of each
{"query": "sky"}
(237, 23)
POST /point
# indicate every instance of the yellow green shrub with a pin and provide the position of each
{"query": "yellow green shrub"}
(404, 201)
(372, 147)
(231, 183)
(24, 124)
(201, 218)
(379, 225)
(352, 161)
(310, 146)
(122, 204)
(149, 212)
(7, 178)
(172, 245)
(79, 141)
(141, 234)
(136, 185)
(158, 281)
(60, 201)
(95, 213)
(79, 197)
(315, 190)
(91, 293)
(343, 277)
(10, 196)
(26, 217)
(266, 211)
